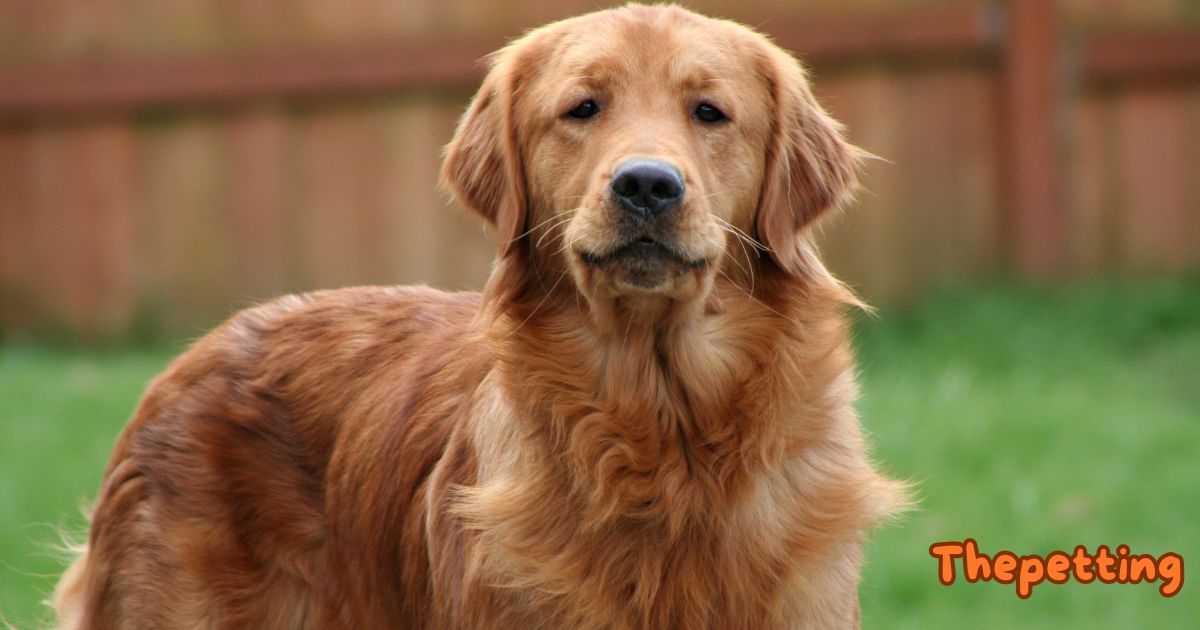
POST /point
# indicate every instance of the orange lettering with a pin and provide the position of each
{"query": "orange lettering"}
(1123, 564)
(1057, 565)
(1104, 563)
(1003, 566)
(1142, 567)
(1082, 562)
(1031, 572)
(976, 566)
(1170, 569)
(946, 552)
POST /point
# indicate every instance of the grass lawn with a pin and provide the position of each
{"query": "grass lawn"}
(1029, 420)
(60, 412)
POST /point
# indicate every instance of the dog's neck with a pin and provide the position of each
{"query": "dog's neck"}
(661, 412)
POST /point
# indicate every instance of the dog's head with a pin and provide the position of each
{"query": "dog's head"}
(642, 150)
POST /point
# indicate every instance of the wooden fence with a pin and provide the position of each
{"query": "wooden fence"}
(162, 163)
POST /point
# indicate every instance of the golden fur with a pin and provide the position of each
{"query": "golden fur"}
(569, 449)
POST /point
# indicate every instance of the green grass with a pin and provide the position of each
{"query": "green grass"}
(60, 413)
(1035, 421)
(1030, 420)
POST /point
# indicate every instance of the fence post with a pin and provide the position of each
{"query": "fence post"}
(1031, 159)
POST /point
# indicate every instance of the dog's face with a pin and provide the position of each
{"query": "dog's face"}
(633, 148)
(650, 144)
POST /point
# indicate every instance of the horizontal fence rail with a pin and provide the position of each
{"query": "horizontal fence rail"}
(56, 90)
(1161, 55)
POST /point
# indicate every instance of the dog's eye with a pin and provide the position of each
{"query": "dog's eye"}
(585, 110)
(708, 113)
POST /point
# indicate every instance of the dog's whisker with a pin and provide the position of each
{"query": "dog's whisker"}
(562, 215)
(713, 194)
(533, 312)
(750, 240)
(551, 229)
(742, 240)
(758, 301)
(748, 268)
(725, 252)
(569, 245)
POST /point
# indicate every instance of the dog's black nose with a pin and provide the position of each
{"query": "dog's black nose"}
(647, 187)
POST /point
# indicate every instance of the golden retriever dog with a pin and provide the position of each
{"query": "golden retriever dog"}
(643, 421)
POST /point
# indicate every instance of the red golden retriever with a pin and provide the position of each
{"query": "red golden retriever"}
(643, 421)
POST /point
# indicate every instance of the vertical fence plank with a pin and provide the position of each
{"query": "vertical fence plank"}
(15, 230)
(977, 185)
(1092, 189)
(1191, 231)
(937, 210)
(1032, 157)
(420, 243)
(329, 146)
(1157, 168)
(103, 194)
(56, 277)
(383, 189)
(186, 258)
(256, 198)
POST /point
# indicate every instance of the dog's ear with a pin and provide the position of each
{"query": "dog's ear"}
(482, 164)
(810, 167)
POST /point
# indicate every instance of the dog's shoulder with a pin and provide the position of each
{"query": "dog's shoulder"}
(341, 313)
(302, 362)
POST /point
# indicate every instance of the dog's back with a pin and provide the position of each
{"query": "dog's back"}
(212, 511)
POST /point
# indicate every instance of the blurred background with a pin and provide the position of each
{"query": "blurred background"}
(1032, 237)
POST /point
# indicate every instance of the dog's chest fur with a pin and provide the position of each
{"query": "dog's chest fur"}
(574, 489)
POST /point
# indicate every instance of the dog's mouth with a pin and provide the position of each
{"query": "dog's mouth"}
(643, 263)
(645, 248)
